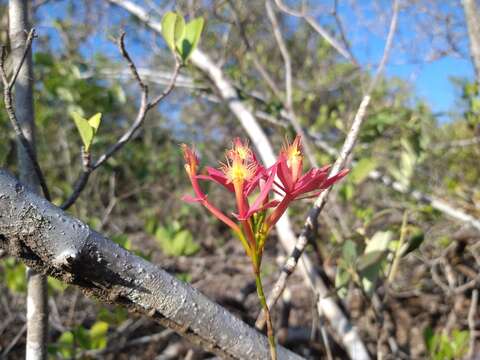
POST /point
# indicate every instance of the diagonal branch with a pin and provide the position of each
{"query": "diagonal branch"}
(50, 241)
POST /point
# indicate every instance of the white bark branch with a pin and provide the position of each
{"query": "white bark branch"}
(472, 16)
(50, 241)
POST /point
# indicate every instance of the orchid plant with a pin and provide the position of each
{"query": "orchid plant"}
(254, 187)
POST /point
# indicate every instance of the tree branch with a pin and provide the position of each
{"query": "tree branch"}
(472, 17)
(52, 242)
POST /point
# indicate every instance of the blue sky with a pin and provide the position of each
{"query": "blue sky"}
(433, 80)
(429, 80)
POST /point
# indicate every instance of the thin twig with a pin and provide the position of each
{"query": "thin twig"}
(28, 45)
(14, 341)
(145, 106)
(319, 29)
(472, 313)
(309, 228)
(256, 61)
(8, 85)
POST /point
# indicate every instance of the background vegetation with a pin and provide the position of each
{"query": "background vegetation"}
(420, 309)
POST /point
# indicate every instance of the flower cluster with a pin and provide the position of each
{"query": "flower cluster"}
(254, 186)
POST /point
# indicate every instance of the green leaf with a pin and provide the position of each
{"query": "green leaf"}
(173, 30)
(168, 29)
(65, 344)
(55, 285)
(85, 130)
(98, 335)
(413, 243)
(94, 122)
(193, 30)
(349, 252)
(179, 30)
(176, 242)
(376, 245)
(460, 342)
(369, 259)
(361, 170)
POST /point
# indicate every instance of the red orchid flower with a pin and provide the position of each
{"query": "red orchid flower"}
(191, 166)
(293, 184)
(242, 174)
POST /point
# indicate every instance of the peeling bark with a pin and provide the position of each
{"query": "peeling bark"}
(52, 242)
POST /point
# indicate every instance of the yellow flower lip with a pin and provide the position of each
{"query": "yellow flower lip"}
(238, 171)
(294, 156)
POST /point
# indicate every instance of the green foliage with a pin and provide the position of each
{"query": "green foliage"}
(471, 96)
(408, 160)
(365, 268)
(361, 170)
(123, 241)
(80, 338)
(443, 347)
(55, 286)
(13, 275)
(175, 241)
(180, 37)
(372, 259)
(87, 128)
(114, 316)
(413, 242)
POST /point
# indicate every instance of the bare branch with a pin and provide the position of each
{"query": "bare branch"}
(26, 50)
(342, 50)
(472, 323)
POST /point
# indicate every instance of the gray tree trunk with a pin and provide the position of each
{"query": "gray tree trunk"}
(472, 16)
(51, 241)
(37, 305)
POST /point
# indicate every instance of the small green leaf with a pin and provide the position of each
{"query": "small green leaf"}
(98, 335)
(413, 243)
(193, 30)
(376, 245)
(168, 29)
(85, 130)
(349, 252)
(94, 122)
(369, 259)
(179, 30)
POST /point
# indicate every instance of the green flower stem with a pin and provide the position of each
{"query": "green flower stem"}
(263, 301)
